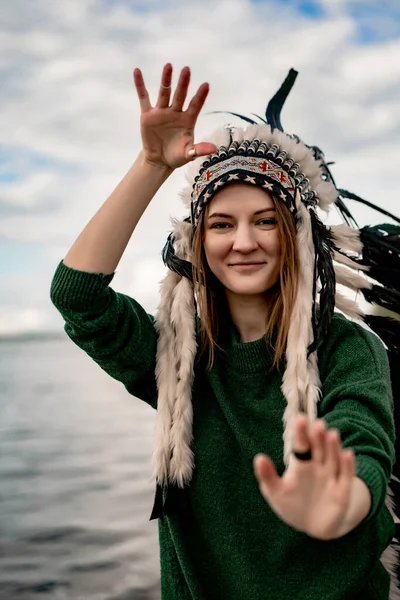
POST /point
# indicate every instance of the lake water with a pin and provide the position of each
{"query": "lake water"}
(75, 479)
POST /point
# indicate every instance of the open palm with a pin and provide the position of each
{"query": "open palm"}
(167, 130)
(312, 496)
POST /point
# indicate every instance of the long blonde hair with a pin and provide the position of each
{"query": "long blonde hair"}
(210, 297)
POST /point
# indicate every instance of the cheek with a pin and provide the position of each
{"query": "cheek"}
(215, 248)
(272, 245)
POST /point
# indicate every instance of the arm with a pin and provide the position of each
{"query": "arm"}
(112, 328)
(357, 400)
(167, 138)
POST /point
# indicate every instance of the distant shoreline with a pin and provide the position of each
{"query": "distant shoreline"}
(33, 336)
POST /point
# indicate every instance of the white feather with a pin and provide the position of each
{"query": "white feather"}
(350, 279)
(348, 307)
(347, 260)
(347, 238)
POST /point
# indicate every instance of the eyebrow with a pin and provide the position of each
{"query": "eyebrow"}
(258, 212)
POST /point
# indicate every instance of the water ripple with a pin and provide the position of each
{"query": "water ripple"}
(75, 480)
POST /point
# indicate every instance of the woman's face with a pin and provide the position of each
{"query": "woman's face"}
(241, 239)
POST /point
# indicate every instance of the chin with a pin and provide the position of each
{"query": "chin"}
(249, 288)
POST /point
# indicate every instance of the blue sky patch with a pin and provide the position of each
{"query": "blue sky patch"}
(311, 9)
(16, 163)
(18, 258)
(376, 21)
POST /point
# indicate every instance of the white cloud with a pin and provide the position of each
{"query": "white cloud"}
(68, 97)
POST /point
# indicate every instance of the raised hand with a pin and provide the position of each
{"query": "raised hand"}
(312, 496)
(167, 130)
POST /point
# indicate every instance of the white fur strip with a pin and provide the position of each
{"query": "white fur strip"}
(346, 238)
(301, 378)
(183, 318)
(166, 379)
(183, 315)
(347, 260)
(348, 307)
(176, 350)
(350, 279)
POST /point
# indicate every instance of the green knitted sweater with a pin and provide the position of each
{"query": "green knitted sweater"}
(228, 543)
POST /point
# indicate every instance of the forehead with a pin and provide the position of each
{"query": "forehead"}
(241, 195)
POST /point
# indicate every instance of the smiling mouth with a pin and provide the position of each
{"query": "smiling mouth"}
(247, 266)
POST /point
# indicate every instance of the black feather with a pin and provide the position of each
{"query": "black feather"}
(324, 271)
(345, 212)
(351, 196)
(394, 361)
(389, 332)
(384, 297)
(227, 112)
(274, 108)
(381, 252)
(182, 267)
(258, 117)
(387, 329)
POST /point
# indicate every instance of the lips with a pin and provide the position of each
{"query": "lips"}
(252, 263)
(243, 264)
(253, 266)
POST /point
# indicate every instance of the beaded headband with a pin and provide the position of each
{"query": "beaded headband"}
(256, 163)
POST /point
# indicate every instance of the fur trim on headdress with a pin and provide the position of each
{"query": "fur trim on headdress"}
(301, 379)
(175, 322)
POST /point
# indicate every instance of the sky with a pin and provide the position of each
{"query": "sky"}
(69, 115)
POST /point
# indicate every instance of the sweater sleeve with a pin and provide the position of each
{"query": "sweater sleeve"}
(112, 328)
(357, 400)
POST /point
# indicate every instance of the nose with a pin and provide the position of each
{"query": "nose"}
(245, 239)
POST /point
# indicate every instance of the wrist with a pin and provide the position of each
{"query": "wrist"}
(359, 507)
(157, 167)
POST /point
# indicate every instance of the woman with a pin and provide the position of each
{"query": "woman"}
(239, 362)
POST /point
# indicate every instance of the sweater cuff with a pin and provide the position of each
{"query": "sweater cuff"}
(370, 471)
(73, 289)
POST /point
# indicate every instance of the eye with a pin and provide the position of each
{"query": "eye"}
(220, 225)
(267, 222)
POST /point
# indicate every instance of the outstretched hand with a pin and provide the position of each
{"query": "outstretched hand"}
(312, 496)
(168, 130)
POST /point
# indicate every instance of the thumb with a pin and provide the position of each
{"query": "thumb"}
(265, 472)
(201, 149)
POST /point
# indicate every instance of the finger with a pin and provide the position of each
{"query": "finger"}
(142, 93)
(181, 89)
(198, 100)
(347, 470)
(165, 89)
(333, 452)
(265, 472)
(318, 441)
(201, 149)
(302, 442)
